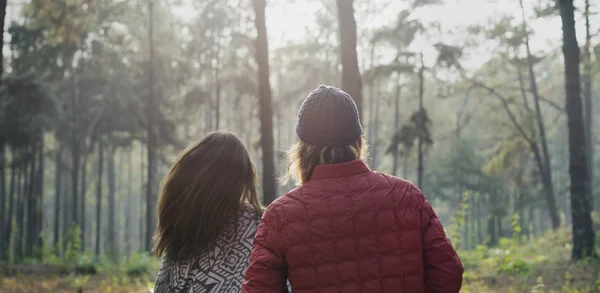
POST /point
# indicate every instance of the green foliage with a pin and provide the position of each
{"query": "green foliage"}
(458, 220)
(539, 285)
(73, 239)
(141, 263)
(25, 110)
(78, 282)
(506, 155)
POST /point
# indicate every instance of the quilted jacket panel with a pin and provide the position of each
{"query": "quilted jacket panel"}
(349, 229)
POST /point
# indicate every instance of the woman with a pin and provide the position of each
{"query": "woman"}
(347, 228)
(208, 212)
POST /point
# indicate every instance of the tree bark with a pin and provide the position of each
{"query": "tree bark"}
(405, 163)
(371, 117)
(23, 188)
(218, 83)
(351, 79)
(375, 144)
(65, 207)
(82, 201)
(14, 176)
(29, 218)
(39, 199)
(587, 94)
(583, 233)
(420, 167)
(99, 196)
(142, 212)
(3, 5)
(57, 190)
(152, 144)
(265, 108)
(75, 157)
(478, 217)
(396, 124)
(546, 168)
(112, 245)
(2, 193)
(129, 203)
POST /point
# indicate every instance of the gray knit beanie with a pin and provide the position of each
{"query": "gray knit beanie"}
(328, 117)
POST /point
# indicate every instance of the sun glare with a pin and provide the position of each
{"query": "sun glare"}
(289, 22)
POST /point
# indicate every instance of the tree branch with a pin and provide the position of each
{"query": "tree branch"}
(506, 107)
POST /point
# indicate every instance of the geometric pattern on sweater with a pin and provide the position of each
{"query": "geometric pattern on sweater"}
(220, 269)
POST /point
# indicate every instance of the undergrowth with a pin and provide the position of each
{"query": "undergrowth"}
(517, 264)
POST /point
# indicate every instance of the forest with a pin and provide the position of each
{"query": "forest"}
(486, 105)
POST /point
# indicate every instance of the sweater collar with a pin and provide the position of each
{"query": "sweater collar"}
(340, 170)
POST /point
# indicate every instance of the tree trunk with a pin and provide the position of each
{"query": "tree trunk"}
(2, 194)
(466, 224)
(57, 190)
(371, 117)
(500, 229)
(110, 173)
(99, 195)
(472, 221)
(478, 217)
(152, 144)
(75, 157)
(29, 218)
(405, 163)
(65, 207)
(3, 5)
(583, 233)
(128, 203)
(265, 108)
(39, 199)
(20, 242)
(491, 229)
(587, 94)
(420, 167)
(530, 223)
(546, 169)
(218, 84)
(82, 201)
(142, 212)
(14, 176)
(351, 80)
(396, 124)
(375, 134)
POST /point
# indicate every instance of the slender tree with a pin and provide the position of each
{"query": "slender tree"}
(152, 140)
(110, 176)
(587, 95)
(421, 123)
(100, 165)
(351, 80)
(546, 169)
(583, 232)
(265, 105)
(3, 221)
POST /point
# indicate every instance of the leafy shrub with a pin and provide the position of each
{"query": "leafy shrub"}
(141, 264)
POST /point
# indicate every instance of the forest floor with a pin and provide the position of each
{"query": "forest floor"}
(541, 265)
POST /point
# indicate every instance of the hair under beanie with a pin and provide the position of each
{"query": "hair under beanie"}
(328, 117)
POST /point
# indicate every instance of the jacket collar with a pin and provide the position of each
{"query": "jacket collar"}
(339, 170)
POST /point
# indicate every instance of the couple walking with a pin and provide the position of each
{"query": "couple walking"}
(345, 229)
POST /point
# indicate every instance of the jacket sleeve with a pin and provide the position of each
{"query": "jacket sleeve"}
(442, 267)
(267, 271)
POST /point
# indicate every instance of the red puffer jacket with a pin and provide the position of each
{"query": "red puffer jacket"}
(349, 229)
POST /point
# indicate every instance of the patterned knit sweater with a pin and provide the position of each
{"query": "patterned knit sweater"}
(218, 270)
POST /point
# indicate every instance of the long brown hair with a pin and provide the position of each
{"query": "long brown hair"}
(303, 158)
(201, 195)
